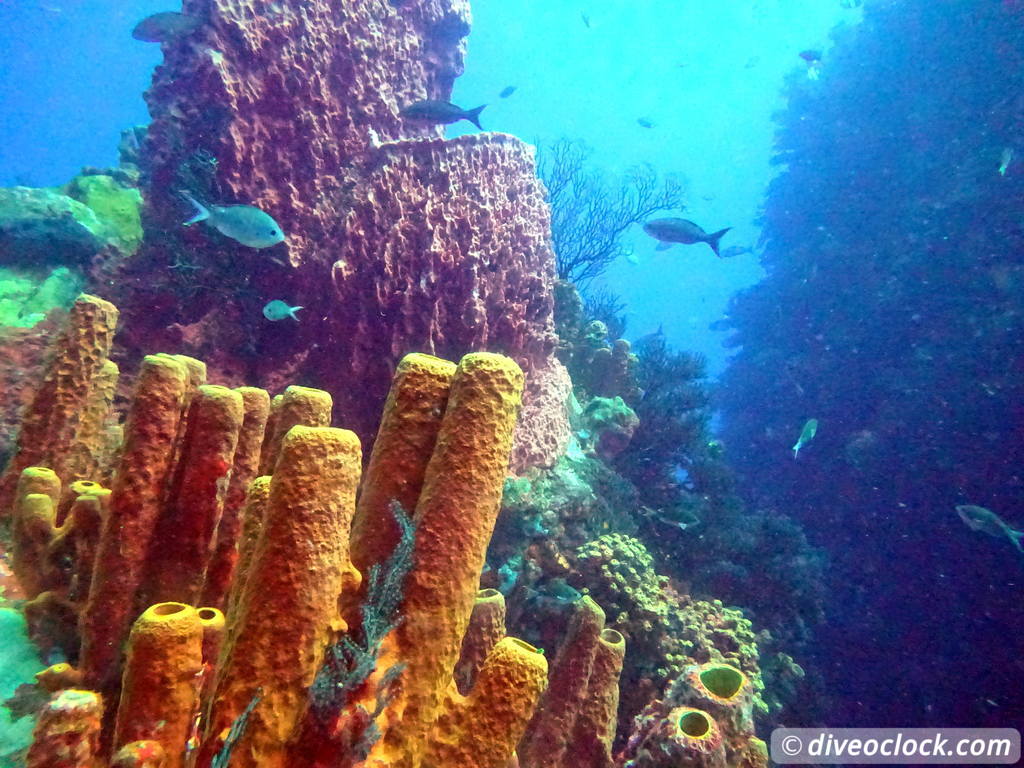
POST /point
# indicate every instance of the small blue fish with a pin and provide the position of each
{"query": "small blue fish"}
(1004, 161)
(644, 122)
(278, 310)
(244, 223)
(507, 91)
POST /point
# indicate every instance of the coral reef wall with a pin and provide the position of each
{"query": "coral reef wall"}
(293, 107)
(892, 313)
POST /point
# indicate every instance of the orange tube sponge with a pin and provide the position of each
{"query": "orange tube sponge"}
(184, 538)
(254, 513)
(594, 729)
(159, 692)
(298, 405)
(405, 441)
(486, 628)
(481, 730)
(547, 737)
(52, 423)
(256, 406)
(90, 454)
(140, 754)
(134, 505)
(288, 608)
(214, 630)
(455, 517)
(73, 551)
(67, 732)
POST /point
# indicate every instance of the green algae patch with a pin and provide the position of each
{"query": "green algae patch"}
(19, 664)
(115, 205)
(28, 294)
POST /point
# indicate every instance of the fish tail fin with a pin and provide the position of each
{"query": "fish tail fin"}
(473, 115)
(292, 311)
(1015, 537)
(713, 239)
(202, 212)
(796, 450)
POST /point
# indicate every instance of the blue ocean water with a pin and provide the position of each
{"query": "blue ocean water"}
(879, 191)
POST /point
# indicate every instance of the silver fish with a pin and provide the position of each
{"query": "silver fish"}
(985, 520)
(244, 223)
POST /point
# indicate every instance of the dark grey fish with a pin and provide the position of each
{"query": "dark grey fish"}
(671, 231)
(586, 19)
(507, 91)
(647, 338)
(165, 26)
(431, 111)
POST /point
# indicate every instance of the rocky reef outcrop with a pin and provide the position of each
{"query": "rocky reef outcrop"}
(397, 240)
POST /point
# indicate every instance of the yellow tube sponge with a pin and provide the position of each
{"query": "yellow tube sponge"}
(298, 405)
(401, 451)
(481, 730)
(57, 419)
(455, 517)
(159, 691)
(288, 609)
(486, 629)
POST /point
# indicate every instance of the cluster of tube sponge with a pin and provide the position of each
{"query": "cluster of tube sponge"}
(195, 597)
(704, 721)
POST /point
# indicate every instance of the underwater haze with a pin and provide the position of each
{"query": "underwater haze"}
(590, 384)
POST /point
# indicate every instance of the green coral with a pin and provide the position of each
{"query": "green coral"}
(665, 630)
(115, 205)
